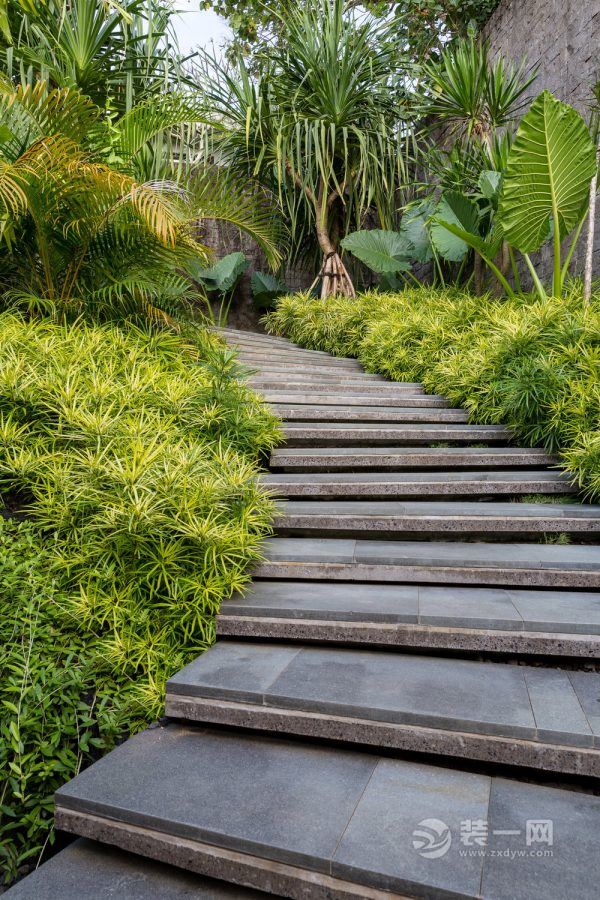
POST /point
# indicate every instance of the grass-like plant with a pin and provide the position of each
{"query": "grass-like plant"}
(527, 362)
(134, 454)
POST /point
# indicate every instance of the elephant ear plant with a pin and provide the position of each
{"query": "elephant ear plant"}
(544, 194)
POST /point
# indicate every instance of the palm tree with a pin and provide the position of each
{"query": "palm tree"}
(114, 52)
(81, 230)
(322, 124)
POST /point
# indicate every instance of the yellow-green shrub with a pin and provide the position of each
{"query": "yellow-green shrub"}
(134, 456)
(530, 364)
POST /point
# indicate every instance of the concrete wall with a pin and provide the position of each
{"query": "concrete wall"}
(563, 37)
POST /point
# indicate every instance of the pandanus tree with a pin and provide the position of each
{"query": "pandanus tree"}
(321, 124)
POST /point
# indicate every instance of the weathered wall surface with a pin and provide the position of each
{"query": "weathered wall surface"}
(563, 38)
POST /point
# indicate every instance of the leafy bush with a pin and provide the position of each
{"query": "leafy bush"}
(135, 455)
(531, 364)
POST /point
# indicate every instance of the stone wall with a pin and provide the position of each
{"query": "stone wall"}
(563, 38)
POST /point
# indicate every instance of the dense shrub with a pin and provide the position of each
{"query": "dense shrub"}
(533, 365)
(134, 457)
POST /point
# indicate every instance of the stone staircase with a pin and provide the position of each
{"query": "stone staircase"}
(405, 703)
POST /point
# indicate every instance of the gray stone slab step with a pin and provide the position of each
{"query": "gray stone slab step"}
(294, 412)
(402, 458)
(421, 484)
(301, 820)
(313, 384)
(432, 562)
(324, 434)
(233, 335)
(321, 375)
(482, 710)
(272, 362)
(434, 517)
(88, 870)
(483, 620)
(297, 357)
(334, 398)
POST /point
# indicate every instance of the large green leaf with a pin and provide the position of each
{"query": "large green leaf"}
(225, 273)
(490, 183)
(415, 228)
(266, 289)
(384, 252)
(455, 209)
(550, 166)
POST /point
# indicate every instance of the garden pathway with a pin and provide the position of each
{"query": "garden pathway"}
(405, 702)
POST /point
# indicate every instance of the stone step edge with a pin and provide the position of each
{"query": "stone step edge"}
(563, 758)
(406, 635)
(378, 524)
(235, 867)
(428, 574)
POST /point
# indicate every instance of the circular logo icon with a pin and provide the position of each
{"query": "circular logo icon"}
(432, 838)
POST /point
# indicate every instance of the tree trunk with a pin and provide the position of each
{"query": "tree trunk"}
(589, 252)
(334, 277)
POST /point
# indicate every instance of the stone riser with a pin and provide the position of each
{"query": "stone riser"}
(485, 528)
(220, 863)
(509, 751)
(332, 398)
(476, 575)
(405, 636)
(411, 415)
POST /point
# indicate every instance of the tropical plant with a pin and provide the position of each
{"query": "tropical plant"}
(470, 95)
(134, 454)
(321, 124)
(527, 362)
(424, 26)
(471, 102)
(221, 279)
(81, 229)
(266, 289)
(114, 52)
(545, 191)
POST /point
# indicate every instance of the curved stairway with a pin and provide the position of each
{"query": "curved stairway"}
(405, 703)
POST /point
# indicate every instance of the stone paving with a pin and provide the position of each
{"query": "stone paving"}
(406, 703)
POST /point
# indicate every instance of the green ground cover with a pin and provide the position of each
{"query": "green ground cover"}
(530, 364)
(132, 456)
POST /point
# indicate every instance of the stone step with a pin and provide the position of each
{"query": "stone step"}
(235, 336)
(334, 398)
(488, 711)
(309, 373)
(313, 384)
(422, 484)
(87, 870)
(434, 517)
(432, 562)
(307, 821)
(333, 434)
(482, 620)
(383, 458)
(294, 412)
(297, 357)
